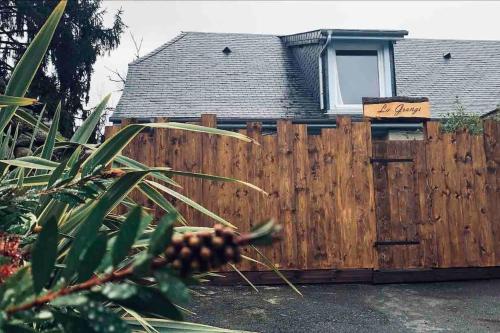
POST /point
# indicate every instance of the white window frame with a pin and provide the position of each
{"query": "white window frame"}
(384, 73)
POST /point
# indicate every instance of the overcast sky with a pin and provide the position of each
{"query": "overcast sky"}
(156, 22)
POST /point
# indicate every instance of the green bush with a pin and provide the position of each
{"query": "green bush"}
(460, 120)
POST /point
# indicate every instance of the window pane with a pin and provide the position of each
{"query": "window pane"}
(358, 75)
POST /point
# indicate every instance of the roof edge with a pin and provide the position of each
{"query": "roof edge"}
(316, 36)
(160, 48)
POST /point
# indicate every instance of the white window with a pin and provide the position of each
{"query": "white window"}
(356, 70)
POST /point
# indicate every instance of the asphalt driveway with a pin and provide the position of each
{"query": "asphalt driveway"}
(431, 307)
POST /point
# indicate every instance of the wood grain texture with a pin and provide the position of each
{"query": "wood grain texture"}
(287, 194)
(492, 186)
(332, 202)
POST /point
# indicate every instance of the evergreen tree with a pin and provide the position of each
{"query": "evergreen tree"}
(66, 71)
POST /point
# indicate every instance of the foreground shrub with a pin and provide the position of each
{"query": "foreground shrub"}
(462, 120)
(68, 261)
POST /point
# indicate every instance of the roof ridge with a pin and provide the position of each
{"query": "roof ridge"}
(455, 40)
(231, 33)
(160, 48)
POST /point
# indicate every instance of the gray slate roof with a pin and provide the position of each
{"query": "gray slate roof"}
(261, 77)
(472, 74)
(191, 75)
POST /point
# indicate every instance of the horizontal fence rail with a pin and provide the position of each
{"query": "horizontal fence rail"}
(345, 201)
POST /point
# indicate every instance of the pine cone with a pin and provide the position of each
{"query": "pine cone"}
(203, 251)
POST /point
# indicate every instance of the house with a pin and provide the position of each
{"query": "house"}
(494, 114)
(308, 77)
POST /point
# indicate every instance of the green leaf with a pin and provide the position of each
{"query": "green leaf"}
(37, 126)
(92, 258)
(56, 174)
(24, 116)
(72, 322)
(20, 179)
(142, 263)
(118, 291)
(16, 101)
(157, 198)
(4, 148)
(131, 229)
(27, 67)
(48, 146)
(216, 178)
(83, 133)
(263, 234)
(113, 146)
(131, 163)
(150, 301)
(31, 181)
(17, 328)
(31, 162)
(172, 287)
(102, 319)
(70, 300)
(161, 236)
(17, 288)
(93, 220)
(170, 326)
(44, 254)
(189, 202)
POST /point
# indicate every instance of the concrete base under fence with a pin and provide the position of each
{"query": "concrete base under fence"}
(359, 276)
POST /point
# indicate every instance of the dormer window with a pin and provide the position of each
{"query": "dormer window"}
(357, 69)
(357, 75)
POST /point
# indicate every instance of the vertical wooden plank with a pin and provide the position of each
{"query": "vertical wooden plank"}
(109, 131)
(254, 163)
(208, 156)
(160, 147)
(271, 183)
(435, 167)
(192, 162)
(362, 200)
(383, 207)
(132, 150)
(492, 187)
(319, 229)
(145, 154)
(450, 193)
(301, 194)
(426, 225)
(160, 143)
(370, 223)
(329, 139)
(345, 195)
(396, 224)
(223, 167)
(408, 205)
(286, 194)
(239, 213)
(128, 148)
(465, 195)
(175, 160)
(485, 225)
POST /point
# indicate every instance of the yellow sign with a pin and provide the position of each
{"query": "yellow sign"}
(392, 108)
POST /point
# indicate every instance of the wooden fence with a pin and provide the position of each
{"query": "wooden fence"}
(345, 201)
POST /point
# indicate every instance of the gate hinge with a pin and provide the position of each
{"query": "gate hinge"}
(397, 242)
(387, 160)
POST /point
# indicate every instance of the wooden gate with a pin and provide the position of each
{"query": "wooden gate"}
(398, 173)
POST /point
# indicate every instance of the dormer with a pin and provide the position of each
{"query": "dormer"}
(351, 64)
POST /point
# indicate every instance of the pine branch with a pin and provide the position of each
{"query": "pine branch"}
(224, 248)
